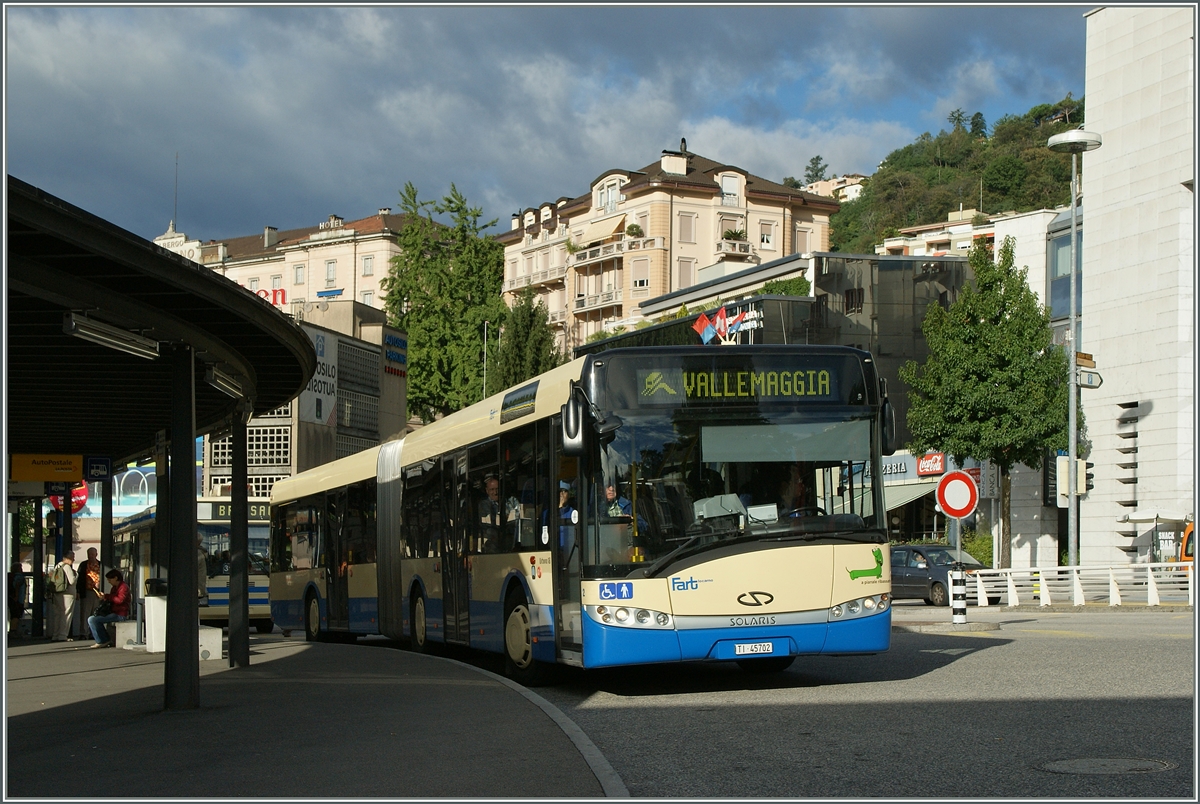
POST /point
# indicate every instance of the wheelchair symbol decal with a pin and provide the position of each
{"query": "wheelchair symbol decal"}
(616, 591)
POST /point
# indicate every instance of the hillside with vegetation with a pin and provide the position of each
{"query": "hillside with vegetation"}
(1008, 168)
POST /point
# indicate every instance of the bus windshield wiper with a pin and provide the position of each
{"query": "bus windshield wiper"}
(653, 569)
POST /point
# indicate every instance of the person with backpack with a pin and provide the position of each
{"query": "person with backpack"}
(61, 590)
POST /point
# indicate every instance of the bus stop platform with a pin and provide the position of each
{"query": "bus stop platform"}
(304, 720)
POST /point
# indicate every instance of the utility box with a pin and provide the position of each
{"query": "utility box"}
(210, 643)
(156, 624)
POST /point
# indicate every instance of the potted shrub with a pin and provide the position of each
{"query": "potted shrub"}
(634, 231)
(734, 234)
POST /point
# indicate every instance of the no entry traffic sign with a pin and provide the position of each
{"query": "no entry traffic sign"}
(957, 494)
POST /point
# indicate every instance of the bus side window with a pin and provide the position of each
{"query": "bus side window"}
(518, 484)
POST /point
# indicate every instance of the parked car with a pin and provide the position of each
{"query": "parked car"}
(921, 571)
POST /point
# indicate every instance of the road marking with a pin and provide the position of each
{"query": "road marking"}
(948, 651)
(1076, 634)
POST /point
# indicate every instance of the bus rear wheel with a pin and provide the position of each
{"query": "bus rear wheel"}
(418, 636)
(519, 664)
(771, 664)
(312, 619)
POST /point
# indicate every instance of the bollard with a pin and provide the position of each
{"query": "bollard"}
(958, 595)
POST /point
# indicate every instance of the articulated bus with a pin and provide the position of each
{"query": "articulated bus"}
(131, 546)
(640, 505)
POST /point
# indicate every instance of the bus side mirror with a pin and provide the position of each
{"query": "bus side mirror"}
(887, 420)
(573, 414)
(887, 415)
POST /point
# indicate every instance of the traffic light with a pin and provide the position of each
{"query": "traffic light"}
(1085, 480)
(1061, 477)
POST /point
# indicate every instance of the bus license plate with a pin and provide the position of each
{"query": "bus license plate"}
(752, 648)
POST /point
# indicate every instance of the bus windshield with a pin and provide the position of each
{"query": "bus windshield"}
(677, 482)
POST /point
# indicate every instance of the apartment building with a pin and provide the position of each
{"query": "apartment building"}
(841, 188)
(953, 236)
(334, 259)
(639, 234)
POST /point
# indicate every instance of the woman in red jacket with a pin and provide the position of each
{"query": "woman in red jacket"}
(118, 598)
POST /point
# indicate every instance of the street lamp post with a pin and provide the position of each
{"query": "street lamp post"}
(1073, 142)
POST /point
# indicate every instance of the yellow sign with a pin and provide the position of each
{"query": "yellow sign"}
(46, 467)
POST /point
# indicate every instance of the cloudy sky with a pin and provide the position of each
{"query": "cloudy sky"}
(284, 116)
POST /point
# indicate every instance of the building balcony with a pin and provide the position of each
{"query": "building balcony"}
(730, 200)
(607, 251)
(597, 300)
(557, 316)
(740, 249)
(518, 282)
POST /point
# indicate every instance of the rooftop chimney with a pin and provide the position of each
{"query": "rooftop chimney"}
(385, 211)
(270, 236)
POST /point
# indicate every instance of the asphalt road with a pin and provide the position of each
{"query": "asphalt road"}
(939, 715)
(974, 714)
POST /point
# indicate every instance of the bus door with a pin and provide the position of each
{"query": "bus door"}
(455, 588)
(569, 545)
(337, 593)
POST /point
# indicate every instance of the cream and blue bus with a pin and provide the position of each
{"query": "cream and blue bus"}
(636, 506)
(131, 547)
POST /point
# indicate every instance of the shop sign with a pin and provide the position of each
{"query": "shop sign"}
(79, 498)
(46, 467)
(933, 463)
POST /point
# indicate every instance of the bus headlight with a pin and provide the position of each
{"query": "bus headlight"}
(629, 617)
(860, 607)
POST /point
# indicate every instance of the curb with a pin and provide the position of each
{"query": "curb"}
(610, 780)
(932, 627)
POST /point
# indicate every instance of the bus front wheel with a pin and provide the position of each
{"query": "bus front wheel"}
(312, 619)
(519, 664)
(418, 631)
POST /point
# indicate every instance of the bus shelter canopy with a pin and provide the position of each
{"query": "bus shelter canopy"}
(67, 395)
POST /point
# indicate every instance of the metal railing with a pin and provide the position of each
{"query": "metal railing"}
(609, 250)
(738, 247)
(1157, 584)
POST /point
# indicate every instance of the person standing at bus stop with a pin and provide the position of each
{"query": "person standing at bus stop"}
(16, 598)
(89, 582)
(62, 597)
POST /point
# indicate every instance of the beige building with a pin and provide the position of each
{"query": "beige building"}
(639, 234)
(842, 188)
(954, 236)
(332, 260)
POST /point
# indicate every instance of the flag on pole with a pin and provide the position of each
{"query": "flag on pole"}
(719, 323)
(736, 324)
(704, 328)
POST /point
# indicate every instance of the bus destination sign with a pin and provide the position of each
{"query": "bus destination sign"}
(733, 386)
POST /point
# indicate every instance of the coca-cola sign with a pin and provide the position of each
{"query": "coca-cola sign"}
(933, 463)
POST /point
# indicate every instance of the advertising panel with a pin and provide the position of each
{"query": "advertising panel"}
(318, 401)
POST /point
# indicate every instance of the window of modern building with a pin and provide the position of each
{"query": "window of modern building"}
(1058, 274)
(298, 270)
(368, 297)
(528, 264)
(854, 300)
(277, 281)
(368, 265)
(766, 234)
(330, 273)
(253, 285)
(512, 269)
(687, 227)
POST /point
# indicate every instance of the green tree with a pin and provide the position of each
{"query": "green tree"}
(957, 118)
(815, 170)
(994, 387)
(978, 125)
(526, 346)
(440, 289)
(796, 286)
(791, 181)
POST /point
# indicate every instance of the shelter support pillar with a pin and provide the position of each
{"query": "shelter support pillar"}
(239, 542)
(182, 665)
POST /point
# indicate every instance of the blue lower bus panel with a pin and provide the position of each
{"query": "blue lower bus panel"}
(607, 646)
